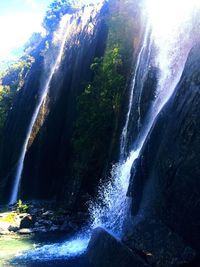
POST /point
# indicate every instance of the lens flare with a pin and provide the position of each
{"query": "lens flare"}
(167, 16)
(175, 30)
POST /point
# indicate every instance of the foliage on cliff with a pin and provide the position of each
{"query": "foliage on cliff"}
(11, 81)
(97, 108)
(56, 10)
(100, 106)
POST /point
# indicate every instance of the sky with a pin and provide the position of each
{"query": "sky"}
(18, 20)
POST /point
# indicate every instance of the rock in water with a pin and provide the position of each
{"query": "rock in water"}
(25, 231)
(104, 250)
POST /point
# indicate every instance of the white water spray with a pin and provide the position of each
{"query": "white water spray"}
(123, 142)
(170, 59)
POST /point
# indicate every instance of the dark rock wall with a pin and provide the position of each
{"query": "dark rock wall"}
(48, 153)
(168, 169)
(46, 161)
(144, 79)
(17, 125)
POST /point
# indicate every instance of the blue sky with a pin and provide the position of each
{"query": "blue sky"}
(18, 20)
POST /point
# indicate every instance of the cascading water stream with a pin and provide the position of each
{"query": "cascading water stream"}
(112, 211)
(123, 142)
(114, 207)
(65, 22)
(171, 55)
(68, 26)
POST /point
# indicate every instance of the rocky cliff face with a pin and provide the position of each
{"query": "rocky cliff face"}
(45, 163)
(165, 186)
(144, 84)
(16, 127)
(50, 151)
(97, 59)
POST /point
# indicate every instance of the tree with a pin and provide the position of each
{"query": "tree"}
(11, 81)
(54, 13)
(99, 107)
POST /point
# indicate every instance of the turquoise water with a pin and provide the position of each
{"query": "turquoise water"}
(10, 246)
(13, 247)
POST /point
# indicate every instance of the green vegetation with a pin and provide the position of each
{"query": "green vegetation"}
(99, 107)
(16, 73)
(5, 101)
(55, 11)
(21, 207)
(12, 81)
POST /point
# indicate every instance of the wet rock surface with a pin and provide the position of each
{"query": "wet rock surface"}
(104, 250)
(41, 218)
(168, 169)
(25, 231)
(159, 243)
(45, 166)
(27, 222)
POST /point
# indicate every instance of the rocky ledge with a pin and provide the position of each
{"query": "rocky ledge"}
(39, 218)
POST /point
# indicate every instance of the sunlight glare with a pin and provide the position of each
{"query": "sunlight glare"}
(166, 16)
(171, 23)
(15, 30)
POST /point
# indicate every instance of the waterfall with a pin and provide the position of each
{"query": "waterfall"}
(65, 22)
(123, 142)
(114, 204)
(169, 57)
(69, 25)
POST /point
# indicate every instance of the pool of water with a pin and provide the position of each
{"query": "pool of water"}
(39, 250)
(11, 246)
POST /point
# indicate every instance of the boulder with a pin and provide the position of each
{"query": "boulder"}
(13, 228)
(104, 250)
(59, 220)
(43, 222)
(41, 229)
(48, 213)
(37, 224)
(54, 228)
(26, 222)
(68, 227)
(25, 231)
(23, 215)
(160, 244)
(4, 226)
